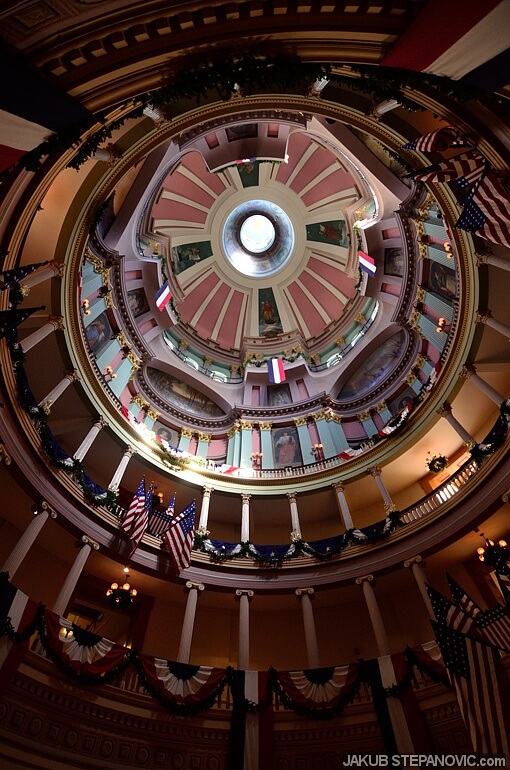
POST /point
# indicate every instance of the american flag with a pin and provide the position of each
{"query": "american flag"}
(486, 210)
(142, 521)
(136, 507)
(159, 521)
(440, 139)
(179, 538)
(472, 669)
(493, 624)
(503, 576)
(12, 277)
(449, 615)
(469, 166)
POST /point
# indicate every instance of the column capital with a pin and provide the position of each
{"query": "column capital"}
(364, 579)
(303, 591)
(415, 560)
(375, 471)
(44, 506)
(129, 451)
(444, 410)
(101, 423)
(292, 496)
(58, 268)
(481, 259)
(482, 316)
(245, 497)
(466, 372)
(245, 592)
(298, 421)
(187, 433)
(338, 485)
(86, 540)
(207, 491)
(246, 425)
(57, 321)
(197, 586)
(204, 437)
(265, 425)
(380, 407)
(364, 415)
(72, 376)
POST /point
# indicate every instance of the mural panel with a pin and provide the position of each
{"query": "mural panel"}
(442, 281)
(137, 302)
(375, 368)
(167, 434)
(182, 395)
(269, 320)
(394, 261)
(188, 255)
(278, 395)
(286, 449)
(333, 232)
(98, 333)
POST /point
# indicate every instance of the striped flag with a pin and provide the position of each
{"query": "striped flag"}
(467, 168)
(26, 122)
(471, 666)
(18, 611)
(453, 32)
(163, 296)
(10, 278)
(275, 370)
(142, 520)
(486, 211)
(449, 615)
(252, 732)
(136, 507)
(440, 139)
(366, 263)
(180, 536)
(503, 577)
(159, 521)
(11, 319)
(493, 624)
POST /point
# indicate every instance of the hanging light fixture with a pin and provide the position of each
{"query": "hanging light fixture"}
(494, 554)
(121, 595)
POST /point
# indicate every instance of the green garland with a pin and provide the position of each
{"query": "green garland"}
(253, 74)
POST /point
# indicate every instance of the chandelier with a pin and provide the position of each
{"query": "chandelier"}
(494, 554)
(121, 595)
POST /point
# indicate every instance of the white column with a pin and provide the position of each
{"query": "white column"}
(117, 476)
(342, 504)
(189, 621)
(53, 270)
(469, 373)
(54, 322)
(381, 637)
(74, 573)
(57, 391)
(417, 564)
(312, 648)
(446, 412)
(245, 518)
(22, 547)
(375, 472)
(294, 515)
(89, 439)
(492, 259)
(204, 511)
(243, 658)
(485, 317)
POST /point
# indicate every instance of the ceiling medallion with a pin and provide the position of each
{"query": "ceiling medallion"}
(257, 238)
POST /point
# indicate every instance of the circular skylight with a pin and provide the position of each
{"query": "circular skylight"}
(258, 238)
(257, 233)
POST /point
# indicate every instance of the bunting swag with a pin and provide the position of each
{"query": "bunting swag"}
(252, 726)
(320, 692)
(183, 688)
(81, 654)
(18, 615)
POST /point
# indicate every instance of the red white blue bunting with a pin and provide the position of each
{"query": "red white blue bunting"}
(181, 683)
